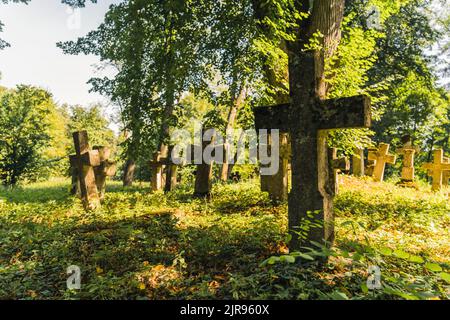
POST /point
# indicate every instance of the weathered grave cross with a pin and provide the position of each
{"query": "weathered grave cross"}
(309, 115)
(107, 168)
(381, 156)
(85, 161)
(204, 171)
(312, 192)
(446, 174)
(438, 168)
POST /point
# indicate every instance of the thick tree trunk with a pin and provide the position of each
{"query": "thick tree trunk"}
(128, 173)
(231, 122)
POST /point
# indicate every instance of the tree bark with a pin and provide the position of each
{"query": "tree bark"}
(231, 121)
(128, 173)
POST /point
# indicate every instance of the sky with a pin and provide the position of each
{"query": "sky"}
(33, 58)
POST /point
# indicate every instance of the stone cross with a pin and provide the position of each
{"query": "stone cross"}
(358, 162)
(338, 165)
(381, 156)
(75, 185)
(408, 151)
(437, 168)
(370, 166)
(159, 179)
(85, 160)
(204, 173)
(310, 166)
(277, 185)
(107, 168)
(446, 174)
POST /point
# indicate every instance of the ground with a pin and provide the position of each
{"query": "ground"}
(156, 246)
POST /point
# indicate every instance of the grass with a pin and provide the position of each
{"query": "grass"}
(155, 246)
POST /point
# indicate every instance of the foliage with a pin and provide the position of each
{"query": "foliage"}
(25, 132)
(93, 121)
(155, 246)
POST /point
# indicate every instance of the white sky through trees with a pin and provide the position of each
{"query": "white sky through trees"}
(33, 58)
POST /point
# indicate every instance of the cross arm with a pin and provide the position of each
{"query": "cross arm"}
(272, 117)
(89, 158)
(345, 113)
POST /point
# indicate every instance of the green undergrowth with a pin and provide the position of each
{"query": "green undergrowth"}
(154, 246)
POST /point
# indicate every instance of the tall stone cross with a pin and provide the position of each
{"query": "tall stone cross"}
(381, 156)
(204, 172)
(85, 161)
(309, 116)
(438, 167)
(312, 191)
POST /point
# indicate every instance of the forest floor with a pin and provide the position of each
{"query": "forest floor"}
(155, 246)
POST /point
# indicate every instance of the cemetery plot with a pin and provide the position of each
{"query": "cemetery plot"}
(90, 169)
(381, 157)
(437, 169)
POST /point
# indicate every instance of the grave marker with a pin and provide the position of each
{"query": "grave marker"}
(85, 161)
(107, 168)
(437, 168)
(158, 165)
(308, 117)
(311, 190)
(381, 156)
(203, 177)
(408, 151)
(358, 162)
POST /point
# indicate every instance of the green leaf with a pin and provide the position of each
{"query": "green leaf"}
(305, 256)
(401, 254)
(272, 260)
(338, 295)
(399, 293)
(433, 267)
(364, 288)
(287, 258)
(445, 276)
(416, 259)
(386, 251)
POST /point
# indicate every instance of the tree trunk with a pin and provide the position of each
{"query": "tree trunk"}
(128, 173)
(231, 121)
